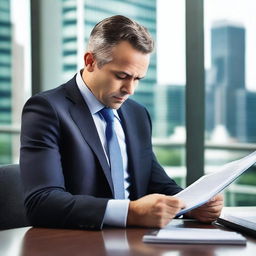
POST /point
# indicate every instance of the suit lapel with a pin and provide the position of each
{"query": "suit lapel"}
(81, 115)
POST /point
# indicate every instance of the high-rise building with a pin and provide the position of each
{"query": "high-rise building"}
(70, 37)
(246, 122)
(5, 63)
(228, 54)
(78, 19)
(170, 109)
(228, 64)
(5, 79)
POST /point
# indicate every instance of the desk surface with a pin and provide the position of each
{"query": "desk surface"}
(41, 242)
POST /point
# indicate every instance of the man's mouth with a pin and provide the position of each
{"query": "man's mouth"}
(121, 99)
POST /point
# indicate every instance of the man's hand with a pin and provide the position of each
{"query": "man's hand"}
(153, 210)
(209, 211)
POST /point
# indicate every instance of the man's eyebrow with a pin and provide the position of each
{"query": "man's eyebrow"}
(129, 75)
(124, 73)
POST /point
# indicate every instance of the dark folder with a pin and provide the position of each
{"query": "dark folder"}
(242, 222)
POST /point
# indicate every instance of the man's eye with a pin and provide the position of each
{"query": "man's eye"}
(122, 77)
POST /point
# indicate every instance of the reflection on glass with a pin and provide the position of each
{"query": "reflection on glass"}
(230, 91)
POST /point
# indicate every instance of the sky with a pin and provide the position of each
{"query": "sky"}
(20, 17)
(171, 46)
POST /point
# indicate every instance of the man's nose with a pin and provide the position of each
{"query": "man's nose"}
(129, 87)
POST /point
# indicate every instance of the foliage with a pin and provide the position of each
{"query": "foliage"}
(169, 157)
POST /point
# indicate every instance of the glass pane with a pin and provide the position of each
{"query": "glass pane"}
(9, 147)
(169, 122)
(5, 63)
(5, 80)
(14, 74)
(230, 90)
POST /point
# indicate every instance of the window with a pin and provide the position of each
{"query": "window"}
(230, 89)
(169, 92)
(15, 74)
(60, 31)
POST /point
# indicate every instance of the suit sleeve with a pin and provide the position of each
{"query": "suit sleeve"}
(159, 181)
(47, 202)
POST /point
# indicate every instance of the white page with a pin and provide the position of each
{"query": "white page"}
(194, 236)
(211, 184)
(197, 234)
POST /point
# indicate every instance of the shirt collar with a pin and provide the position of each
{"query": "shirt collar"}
(93, 104)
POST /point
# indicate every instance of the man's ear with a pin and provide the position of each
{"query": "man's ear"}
(89, 61)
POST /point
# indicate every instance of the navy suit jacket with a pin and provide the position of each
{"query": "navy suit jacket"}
(66, 176)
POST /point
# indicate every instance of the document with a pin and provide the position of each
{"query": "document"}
(211, 184)
(194, 235)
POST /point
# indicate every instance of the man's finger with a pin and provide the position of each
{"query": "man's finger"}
(212, 204)
(218, 197)
(175, 202)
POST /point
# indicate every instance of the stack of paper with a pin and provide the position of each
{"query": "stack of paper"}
(194, 235)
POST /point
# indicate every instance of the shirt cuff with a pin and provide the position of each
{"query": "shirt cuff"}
(116, 213)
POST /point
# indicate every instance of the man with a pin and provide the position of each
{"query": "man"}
(86, 148)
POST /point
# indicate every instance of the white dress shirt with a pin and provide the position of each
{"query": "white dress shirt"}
(117, 210)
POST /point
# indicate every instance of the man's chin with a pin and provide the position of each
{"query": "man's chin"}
(115, 105)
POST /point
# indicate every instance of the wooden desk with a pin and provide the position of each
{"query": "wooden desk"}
(46, 242)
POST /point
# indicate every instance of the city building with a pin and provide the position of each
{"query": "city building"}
(169, 109)
(5, 63)
(5, 79)
(246, 122)
(228, 67)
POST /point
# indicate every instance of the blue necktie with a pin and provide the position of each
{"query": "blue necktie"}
(114, 154)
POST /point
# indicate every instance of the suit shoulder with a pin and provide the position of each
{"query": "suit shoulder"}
(135, 105)
(137, 110)
(55, 95)
(51, 94)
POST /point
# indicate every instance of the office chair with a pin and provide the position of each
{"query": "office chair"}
(12, 210)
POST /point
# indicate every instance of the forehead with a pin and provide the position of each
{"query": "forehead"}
(126, 57)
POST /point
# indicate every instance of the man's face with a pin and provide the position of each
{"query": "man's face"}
(114, 82)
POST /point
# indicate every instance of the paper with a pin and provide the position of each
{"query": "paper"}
(195, 235)
(211, 184)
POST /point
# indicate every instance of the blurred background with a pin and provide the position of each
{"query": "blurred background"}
(42, 43)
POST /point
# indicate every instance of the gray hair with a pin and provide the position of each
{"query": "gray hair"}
(111, 31)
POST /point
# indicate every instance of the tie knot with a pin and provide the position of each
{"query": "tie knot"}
(108, 114)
